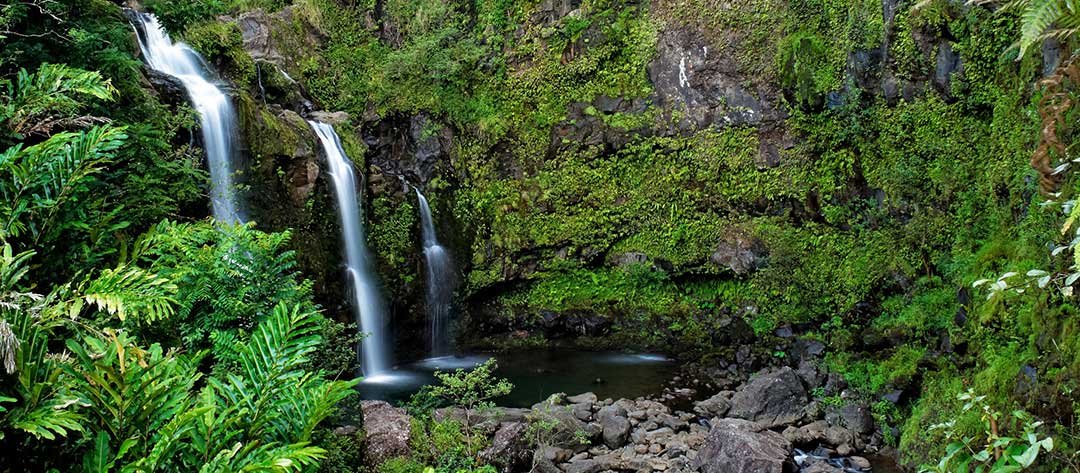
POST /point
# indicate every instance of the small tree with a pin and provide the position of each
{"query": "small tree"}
(473, 390)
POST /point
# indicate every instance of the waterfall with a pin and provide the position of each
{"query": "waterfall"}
(439, 281)
(217, 117)
(367, 303)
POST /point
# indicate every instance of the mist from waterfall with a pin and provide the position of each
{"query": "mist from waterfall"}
(216, 114)
(367, 302)
(440, 282)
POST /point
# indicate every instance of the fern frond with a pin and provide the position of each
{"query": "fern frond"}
(1036, 18)
(53, 91)
(130, 290)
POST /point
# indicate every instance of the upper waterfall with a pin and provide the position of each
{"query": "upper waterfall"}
(439, 281)
(217, 117)
(367, 303)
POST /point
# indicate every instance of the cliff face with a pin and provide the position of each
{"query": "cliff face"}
(569, 148)
(625, 173)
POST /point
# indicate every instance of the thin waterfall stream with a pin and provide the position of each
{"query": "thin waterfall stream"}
(440, 282)
(216, 114)
(367, 302)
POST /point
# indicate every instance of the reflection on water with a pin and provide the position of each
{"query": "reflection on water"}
(538, 374)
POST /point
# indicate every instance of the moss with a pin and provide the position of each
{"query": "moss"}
(391, 236)
(223, 44)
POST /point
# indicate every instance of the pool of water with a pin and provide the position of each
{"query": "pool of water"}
(537, 374)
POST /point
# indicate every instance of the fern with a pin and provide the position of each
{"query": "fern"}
(37, 101)
(35, 181)
(131, 290)
(1040, 20)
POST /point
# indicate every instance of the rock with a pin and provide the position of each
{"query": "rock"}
(589, 398)
(738, 251)
(584, 466)
(672, 422)
(838, 436)
(386, 432)
(808, 434)
(332, 118)
(346, 430)
(255, 31)
(615, 425)
(715, 406)
(810, 374)
(485, 420)
(859, 462)
(628, 259)
(565, 425)
(821, 466)
(741, 446)
(705, 86)
(854, 416)
(509, 450)
(302, 179)
(553, 454)
(582, 411)
(845, 450)
(544, 466)
(773, 399)
(169, 89)
(948, 63)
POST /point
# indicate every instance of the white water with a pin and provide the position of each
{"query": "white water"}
(218, 119)
(440, 281)
(367, 303)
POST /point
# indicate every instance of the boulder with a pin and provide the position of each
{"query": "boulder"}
(587, 398)
(738, 251)
(169, 89)
(715, 406)
(386, 432)
(773, 399)
(808, 434)
(332, 118)
(509, 450)
(742, 446)
(854, 416)
(615, 425)
(566, 428)
(821, 467)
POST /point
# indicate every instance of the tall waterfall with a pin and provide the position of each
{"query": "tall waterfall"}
(367, 305)
(218, 119)
(439, 281)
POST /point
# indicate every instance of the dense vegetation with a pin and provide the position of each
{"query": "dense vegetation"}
(926, 235)
(137, 336)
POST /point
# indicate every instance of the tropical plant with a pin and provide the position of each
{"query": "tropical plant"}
(51, 97)
(37, 181)
(39, 404)
(994, 451)
(147, 417)
(229, 279)
(474, 391)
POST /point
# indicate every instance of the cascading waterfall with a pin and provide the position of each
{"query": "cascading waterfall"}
(367, 303)
(218, 119)
(439, 281)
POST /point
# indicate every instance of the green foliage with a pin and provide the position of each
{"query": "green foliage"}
(50, 97)
(177, 15)
(473, 388)
(38, 180)
(450, 445)
(801, 57)
(995, 451)
(229, 279)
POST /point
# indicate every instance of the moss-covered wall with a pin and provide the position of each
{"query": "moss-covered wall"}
(651, 170)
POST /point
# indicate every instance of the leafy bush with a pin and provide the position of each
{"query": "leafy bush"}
(993, 451)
